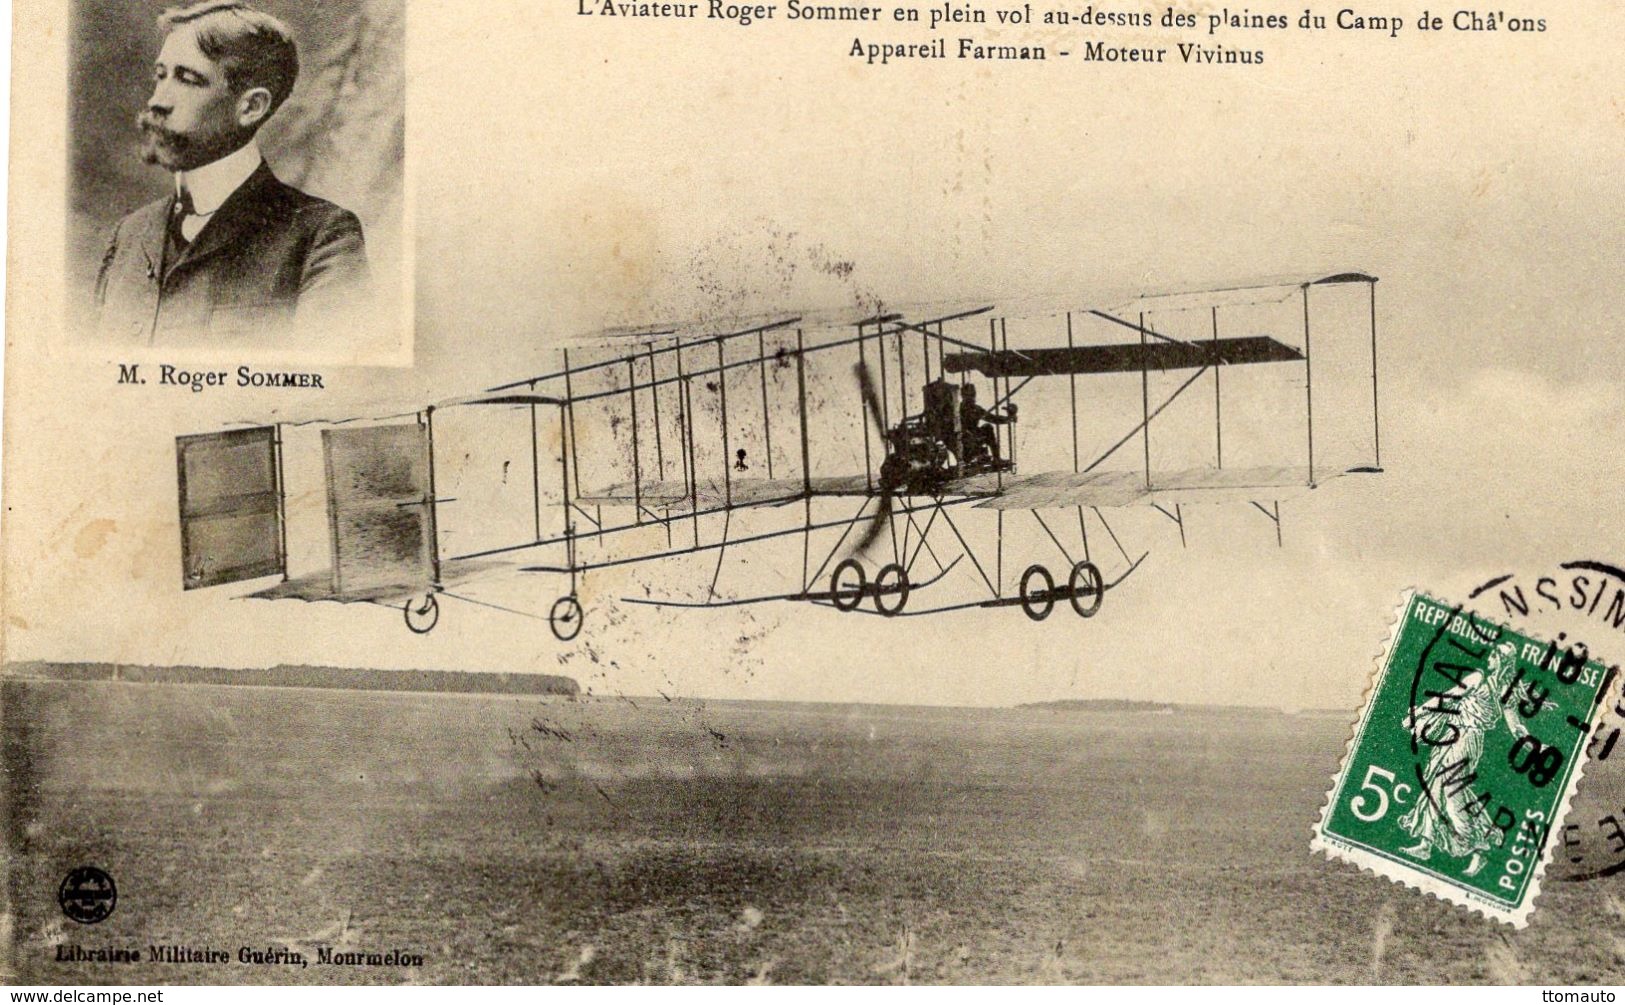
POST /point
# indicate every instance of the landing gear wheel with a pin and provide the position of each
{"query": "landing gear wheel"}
(1038, 604)
(1086, 578)
(422, 618)
(847, 598)
(565, 618)
(883, 589)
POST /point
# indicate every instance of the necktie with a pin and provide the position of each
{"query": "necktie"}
(183, 209)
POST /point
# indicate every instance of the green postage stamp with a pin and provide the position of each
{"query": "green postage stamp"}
(1464, 759)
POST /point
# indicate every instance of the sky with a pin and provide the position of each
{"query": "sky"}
(647, 173)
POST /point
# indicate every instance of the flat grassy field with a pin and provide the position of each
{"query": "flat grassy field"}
(522, 839)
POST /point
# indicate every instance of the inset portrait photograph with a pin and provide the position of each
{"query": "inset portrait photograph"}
(237, 178)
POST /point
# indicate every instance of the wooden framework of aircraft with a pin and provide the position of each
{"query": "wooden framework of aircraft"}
(927, 458)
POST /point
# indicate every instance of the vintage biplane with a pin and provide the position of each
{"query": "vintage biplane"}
(859, 440)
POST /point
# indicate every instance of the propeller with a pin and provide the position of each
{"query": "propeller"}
(871, 405)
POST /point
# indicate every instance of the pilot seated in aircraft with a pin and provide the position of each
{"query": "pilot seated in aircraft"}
(981, 440)
(941, 406)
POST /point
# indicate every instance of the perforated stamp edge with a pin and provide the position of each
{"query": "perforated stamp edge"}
(1337, 850)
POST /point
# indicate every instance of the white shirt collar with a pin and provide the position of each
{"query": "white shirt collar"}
(212, 184)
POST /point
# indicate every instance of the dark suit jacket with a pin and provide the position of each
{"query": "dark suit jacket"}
(269, 253)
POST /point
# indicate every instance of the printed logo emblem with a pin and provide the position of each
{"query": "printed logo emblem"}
(87, 895)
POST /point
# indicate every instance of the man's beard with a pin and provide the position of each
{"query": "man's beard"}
(177, 151)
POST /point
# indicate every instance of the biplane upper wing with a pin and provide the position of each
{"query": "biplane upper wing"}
(1122, 357)
(504, 398)
(1265, 290)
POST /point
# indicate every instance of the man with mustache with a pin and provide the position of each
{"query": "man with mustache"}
(233, 254)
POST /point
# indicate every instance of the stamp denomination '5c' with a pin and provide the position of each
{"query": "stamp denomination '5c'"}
(1464, 759)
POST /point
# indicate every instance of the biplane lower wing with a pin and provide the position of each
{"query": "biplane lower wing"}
(1049, 490)
(1066, 489)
